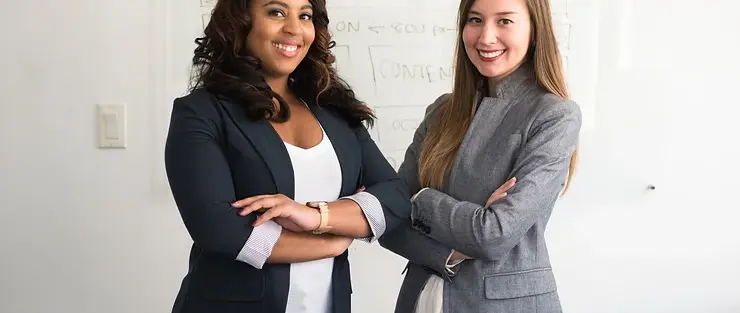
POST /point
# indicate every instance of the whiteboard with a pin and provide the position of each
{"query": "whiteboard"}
(398, 62)
(397, 56)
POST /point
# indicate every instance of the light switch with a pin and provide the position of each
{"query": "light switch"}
(112, 125)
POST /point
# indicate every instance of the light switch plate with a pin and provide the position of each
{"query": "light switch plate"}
(112, 125)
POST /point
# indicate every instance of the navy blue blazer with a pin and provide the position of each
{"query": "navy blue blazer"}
(215, 155)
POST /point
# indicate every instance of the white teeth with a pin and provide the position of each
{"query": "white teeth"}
(491, 54)
(285, 47)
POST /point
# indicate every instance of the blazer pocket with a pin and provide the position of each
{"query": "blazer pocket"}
(519, 284)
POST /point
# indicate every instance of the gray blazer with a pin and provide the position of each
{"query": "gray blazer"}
(522, 131)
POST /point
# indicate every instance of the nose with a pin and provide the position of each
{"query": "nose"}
(489, 34)
(292, 26)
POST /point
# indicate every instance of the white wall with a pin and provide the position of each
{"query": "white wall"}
(80, 230)
(83, 229)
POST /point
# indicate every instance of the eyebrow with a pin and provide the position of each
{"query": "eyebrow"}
(282, 4)
(498, 13)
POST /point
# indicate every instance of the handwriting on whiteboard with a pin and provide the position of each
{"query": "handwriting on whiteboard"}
(390, 66)
(357, 26)
(397, 69)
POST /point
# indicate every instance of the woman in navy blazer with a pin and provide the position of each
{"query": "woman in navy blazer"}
(265, 157)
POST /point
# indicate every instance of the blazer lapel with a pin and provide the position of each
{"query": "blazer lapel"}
(268, 145)
(341, 138)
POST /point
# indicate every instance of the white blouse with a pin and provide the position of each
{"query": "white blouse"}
(318, 177)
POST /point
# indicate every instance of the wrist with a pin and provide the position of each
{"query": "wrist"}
(455, 257)
(321, 210)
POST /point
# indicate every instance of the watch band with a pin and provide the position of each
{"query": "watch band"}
(323, 208)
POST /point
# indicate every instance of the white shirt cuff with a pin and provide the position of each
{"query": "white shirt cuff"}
(370, 206)
(449, 266)
(260, 243)
(417, 193)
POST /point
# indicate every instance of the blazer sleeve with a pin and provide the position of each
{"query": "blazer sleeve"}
(409, 243)
(385, 201)
(488, 233)
(406, 241)
(200, 180)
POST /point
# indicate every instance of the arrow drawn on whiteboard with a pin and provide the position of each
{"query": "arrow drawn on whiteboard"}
(374, 28)
(439, 29)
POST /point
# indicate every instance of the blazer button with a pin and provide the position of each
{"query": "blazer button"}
(427, 229)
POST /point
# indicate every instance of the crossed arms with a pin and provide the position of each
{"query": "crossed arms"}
(200, 179)
(440, 223)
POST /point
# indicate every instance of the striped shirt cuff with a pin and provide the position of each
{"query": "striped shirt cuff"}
(260, 243)
(373, 213)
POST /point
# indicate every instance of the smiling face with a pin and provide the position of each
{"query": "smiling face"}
(281, 33)
(496, 36)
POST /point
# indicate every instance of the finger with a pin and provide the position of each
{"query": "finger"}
(500, 192)
(495, 197)
(247, 201)
(261, 204)
(507, 185)
(268, 215)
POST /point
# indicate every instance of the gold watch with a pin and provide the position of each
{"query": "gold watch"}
(323, 208)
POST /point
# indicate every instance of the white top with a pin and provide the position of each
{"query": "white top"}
(430, 299)
(318, 177)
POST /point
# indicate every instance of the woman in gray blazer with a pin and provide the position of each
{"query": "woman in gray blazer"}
(508, 116)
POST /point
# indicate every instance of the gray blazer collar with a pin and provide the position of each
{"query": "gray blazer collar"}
(508, 87)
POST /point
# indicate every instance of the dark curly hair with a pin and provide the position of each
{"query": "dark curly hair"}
(223, 65)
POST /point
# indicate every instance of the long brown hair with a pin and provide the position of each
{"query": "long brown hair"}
(223, 65)
(452, 118)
